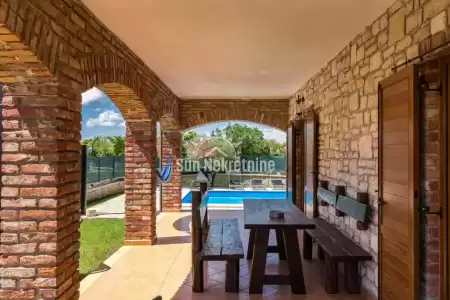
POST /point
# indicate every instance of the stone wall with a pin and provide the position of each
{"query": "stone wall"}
(197, 112)
(344, 92)
(102, 191)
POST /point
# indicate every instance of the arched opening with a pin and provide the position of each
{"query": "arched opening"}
(41, 125)
(236, 154)
(197, 112)
(119, 187)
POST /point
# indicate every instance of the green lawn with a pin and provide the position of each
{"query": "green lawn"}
(99, 239)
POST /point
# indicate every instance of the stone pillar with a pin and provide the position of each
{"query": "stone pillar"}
(171, 190)
(40, 174)
(140, 182)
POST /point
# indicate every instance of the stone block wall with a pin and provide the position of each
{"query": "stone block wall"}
(102, 191)
(344, 92)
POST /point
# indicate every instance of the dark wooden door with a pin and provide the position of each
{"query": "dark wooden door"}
(291, 164)
(398, 186)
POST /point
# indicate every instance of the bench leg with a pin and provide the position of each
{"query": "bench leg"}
(307, 246)
(331, 277)
(197, 276)
(280, 244)
(320, 253)
(251, 244)
(232, 276)
(352, 279)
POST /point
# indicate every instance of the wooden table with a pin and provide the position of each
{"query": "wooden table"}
(256, 218)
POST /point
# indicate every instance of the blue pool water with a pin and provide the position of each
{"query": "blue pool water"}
(237, 197)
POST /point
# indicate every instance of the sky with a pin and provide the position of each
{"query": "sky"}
(102, 118)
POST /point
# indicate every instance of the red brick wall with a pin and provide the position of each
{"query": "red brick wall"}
(140, 183)
(40, 176)
(196, 112)
(171, 190)
(429, 157)
(51, 52)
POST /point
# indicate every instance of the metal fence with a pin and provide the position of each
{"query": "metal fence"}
(110, 167)
(106, 167)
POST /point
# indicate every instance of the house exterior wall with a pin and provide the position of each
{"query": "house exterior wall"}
(345, 95)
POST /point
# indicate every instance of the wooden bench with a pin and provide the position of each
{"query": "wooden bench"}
(335, 247)
(214, 240)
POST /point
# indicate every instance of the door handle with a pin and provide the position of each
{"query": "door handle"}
(426, 211)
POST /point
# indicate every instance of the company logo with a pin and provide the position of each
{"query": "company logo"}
(164, 174)
(212, 147)
(218, 154)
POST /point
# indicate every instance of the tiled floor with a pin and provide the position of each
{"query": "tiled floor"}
(164, 269)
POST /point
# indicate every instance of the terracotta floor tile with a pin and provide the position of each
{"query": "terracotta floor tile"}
(219, 277)
(143, 273)
(267, 291)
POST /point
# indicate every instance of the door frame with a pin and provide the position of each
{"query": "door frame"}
(444, 163)
(293, 162)
(305, 117)
(414, 152)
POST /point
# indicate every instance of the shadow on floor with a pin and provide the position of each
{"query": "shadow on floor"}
(168, 240)
(182, 224)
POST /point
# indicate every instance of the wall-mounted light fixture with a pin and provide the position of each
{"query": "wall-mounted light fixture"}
(300, 99)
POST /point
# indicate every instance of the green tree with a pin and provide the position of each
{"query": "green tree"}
(246, 140)
(118, 145)
(98, 144)
(275, 148)
(187, 139)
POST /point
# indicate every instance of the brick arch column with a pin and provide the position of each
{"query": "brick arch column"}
(40, 174)
(171, 190)
(140, 182)
(140, 164)
(52, 52)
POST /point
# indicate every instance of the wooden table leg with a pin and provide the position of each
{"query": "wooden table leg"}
(258, 269)
(294, 261)
(280, 244)
(251, 243)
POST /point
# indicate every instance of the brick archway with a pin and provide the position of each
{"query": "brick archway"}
(140, 164)
(194, 113)
(51, 53)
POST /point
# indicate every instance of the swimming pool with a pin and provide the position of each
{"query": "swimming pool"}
(237, 197)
